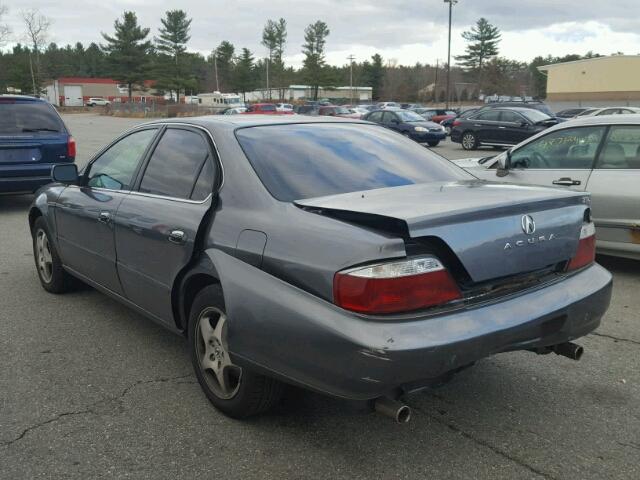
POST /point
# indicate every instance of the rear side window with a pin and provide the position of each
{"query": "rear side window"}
(18, 117)
(622, 149)
(311, 160)
(175, 164)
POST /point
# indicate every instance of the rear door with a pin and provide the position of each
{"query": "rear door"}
(85, 213)
(486, 125)
(157, 226)
(562, 158)
(615, 190)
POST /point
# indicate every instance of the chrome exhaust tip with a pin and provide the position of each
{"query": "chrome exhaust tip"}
(400, 412)
(569, 350)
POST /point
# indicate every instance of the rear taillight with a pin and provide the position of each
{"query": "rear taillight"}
(456, 123)
(394, 287)
(71, 147)
(586, 253)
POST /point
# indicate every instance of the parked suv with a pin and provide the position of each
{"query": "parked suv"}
(97, 101)
(33, 137)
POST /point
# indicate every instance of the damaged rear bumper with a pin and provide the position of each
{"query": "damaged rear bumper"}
(289, 333)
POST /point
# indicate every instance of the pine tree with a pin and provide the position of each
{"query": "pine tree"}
(483, 40)
(128, 51)
(374, 75)
(172, 44)
(244, 73)
(315, 38)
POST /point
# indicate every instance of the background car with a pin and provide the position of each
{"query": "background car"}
(536, 105)
(265, 109)
(600, 155)
(337, 111)
(572, 112)
(97, 101)
(499, 127)
(306, 109)
(234, 111)
(383, 105)
(594, 112)
(281, 107)
(33, 138)
(436, 115)
(447, 123)
(359, 111)
(409, 124)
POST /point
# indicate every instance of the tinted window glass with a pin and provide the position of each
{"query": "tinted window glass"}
(28, 117)
(375, 117)
(114, 169)
(571, 148)
(622, 149)
(204, 184)
(175, 164)
(489, 115)
(389, 117)
(406, 116)
(535, 115)
(268, 108)
(512, 117)
(303, 161)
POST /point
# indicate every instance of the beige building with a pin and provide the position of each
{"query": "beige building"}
(595, 81)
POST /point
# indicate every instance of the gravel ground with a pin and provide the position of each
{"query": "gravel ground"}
(89, 389)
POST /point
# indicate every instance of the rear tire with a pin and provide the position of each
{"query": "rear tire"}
(235, 391)
(52, 275)
(469, 141)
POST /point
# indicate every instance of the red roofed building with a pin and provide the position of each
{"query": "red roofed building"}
(76, 91)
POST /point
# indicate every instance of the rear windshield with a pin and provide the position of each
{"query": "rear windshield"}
(300, 161)
(18, 117)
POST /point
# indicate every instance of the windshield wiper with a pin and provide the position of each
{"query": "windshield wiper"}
(43, 129)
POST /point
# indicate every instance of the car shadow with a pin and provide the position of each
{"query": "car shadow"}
(15, 203)
(619, 264)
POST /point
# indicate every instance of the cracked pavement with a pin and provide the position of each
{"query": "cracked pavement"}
(89, 389)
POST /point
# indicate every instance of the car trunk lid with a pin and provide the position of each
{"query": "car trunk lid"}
(483, 223)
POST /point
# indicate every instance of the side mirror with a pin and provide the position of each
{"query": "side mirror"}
(524, 124)
(504, 164)
(65, 173)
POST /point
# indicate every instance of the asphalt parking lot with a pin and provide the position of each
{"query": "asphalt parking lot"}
(89, 389)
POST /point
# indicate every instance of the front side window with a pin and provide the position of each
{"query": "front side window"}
(300, 161)
(375, 117)
(511, 117)
(407, 116)
(175, 164)
(570, 148)
(621, 149)
(114, 169)
(490, 115)
(389, 117)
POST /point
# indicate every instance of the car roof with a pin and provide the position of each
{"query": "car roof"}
(241, 121)
(628, 119)
(24, 98)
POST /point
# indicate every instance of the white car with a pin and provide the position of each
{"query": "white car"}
(596, 112)
(599, 155)
(384, 105)
(235, 111)
(284, 107)
(97, 101)
(359, 111)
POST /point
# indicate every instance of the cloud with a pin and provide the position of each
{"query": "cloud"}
(409, 31)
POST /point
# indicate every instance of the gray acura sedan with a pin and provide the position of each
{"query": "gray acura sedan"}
(331, 254)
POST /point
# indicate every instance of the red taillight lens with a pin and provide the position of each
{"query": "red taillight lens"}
(456, 123)
(71, 147)
(586, 253)
(395, 287)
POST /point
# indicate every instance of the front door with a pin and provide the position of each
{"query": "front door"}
(486, 125)
(157, 226)
(514, 128)
(615, 190)
(85, 213)
(562, 158)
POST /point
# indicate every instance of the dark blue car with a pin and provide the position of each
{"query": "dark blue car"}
(33, 138)
(410, 124)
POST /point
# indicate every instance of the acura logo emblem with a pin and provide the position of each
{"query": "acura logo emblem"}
(528, 225)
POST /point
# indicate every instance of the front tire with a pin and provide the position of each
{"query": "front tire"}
(433, 144)
(53, 277)
(469, 141)
(235, 391)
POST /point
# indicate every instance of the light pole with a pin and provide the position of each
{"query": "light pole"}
(215, 68)
(451, 4)
(351, 58)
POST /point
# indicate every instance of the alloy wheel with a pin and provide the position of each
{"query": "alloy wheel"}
(221, 376)
(468, 141)
(44, 258)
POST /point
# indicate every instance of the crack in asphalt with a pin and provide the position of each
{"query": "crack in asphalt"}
(90, 408)
(619, 339)
(484, 443)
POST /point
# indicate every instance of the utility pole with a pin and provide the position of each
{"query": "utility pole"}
(215, 68)
(451, 4)
(351, 58)
(435, 83)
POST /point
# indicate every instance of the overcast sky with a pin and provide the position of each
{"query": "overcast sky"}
(407, 31)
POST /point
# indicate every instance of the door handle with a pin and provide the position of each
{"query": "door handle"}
(104, 217)
(177, 237)
(566, 182)
(502, 127)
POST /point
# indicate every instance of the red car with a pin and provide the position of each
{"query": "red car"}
(335, 111)
(435, 114)
(265, 109)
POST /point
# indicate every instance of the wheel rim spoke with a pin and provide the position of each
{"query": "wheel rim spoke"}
(43, 256)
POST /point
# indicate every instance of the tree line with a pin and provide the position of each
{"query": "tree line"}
(131, 55)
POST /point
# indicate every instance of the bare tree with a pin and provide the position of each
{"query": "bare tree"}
(37, 28)
(5, 31)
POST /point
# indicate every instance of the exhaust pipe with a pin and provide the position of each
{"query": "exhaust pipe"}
(400, 412)
(569, 350)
